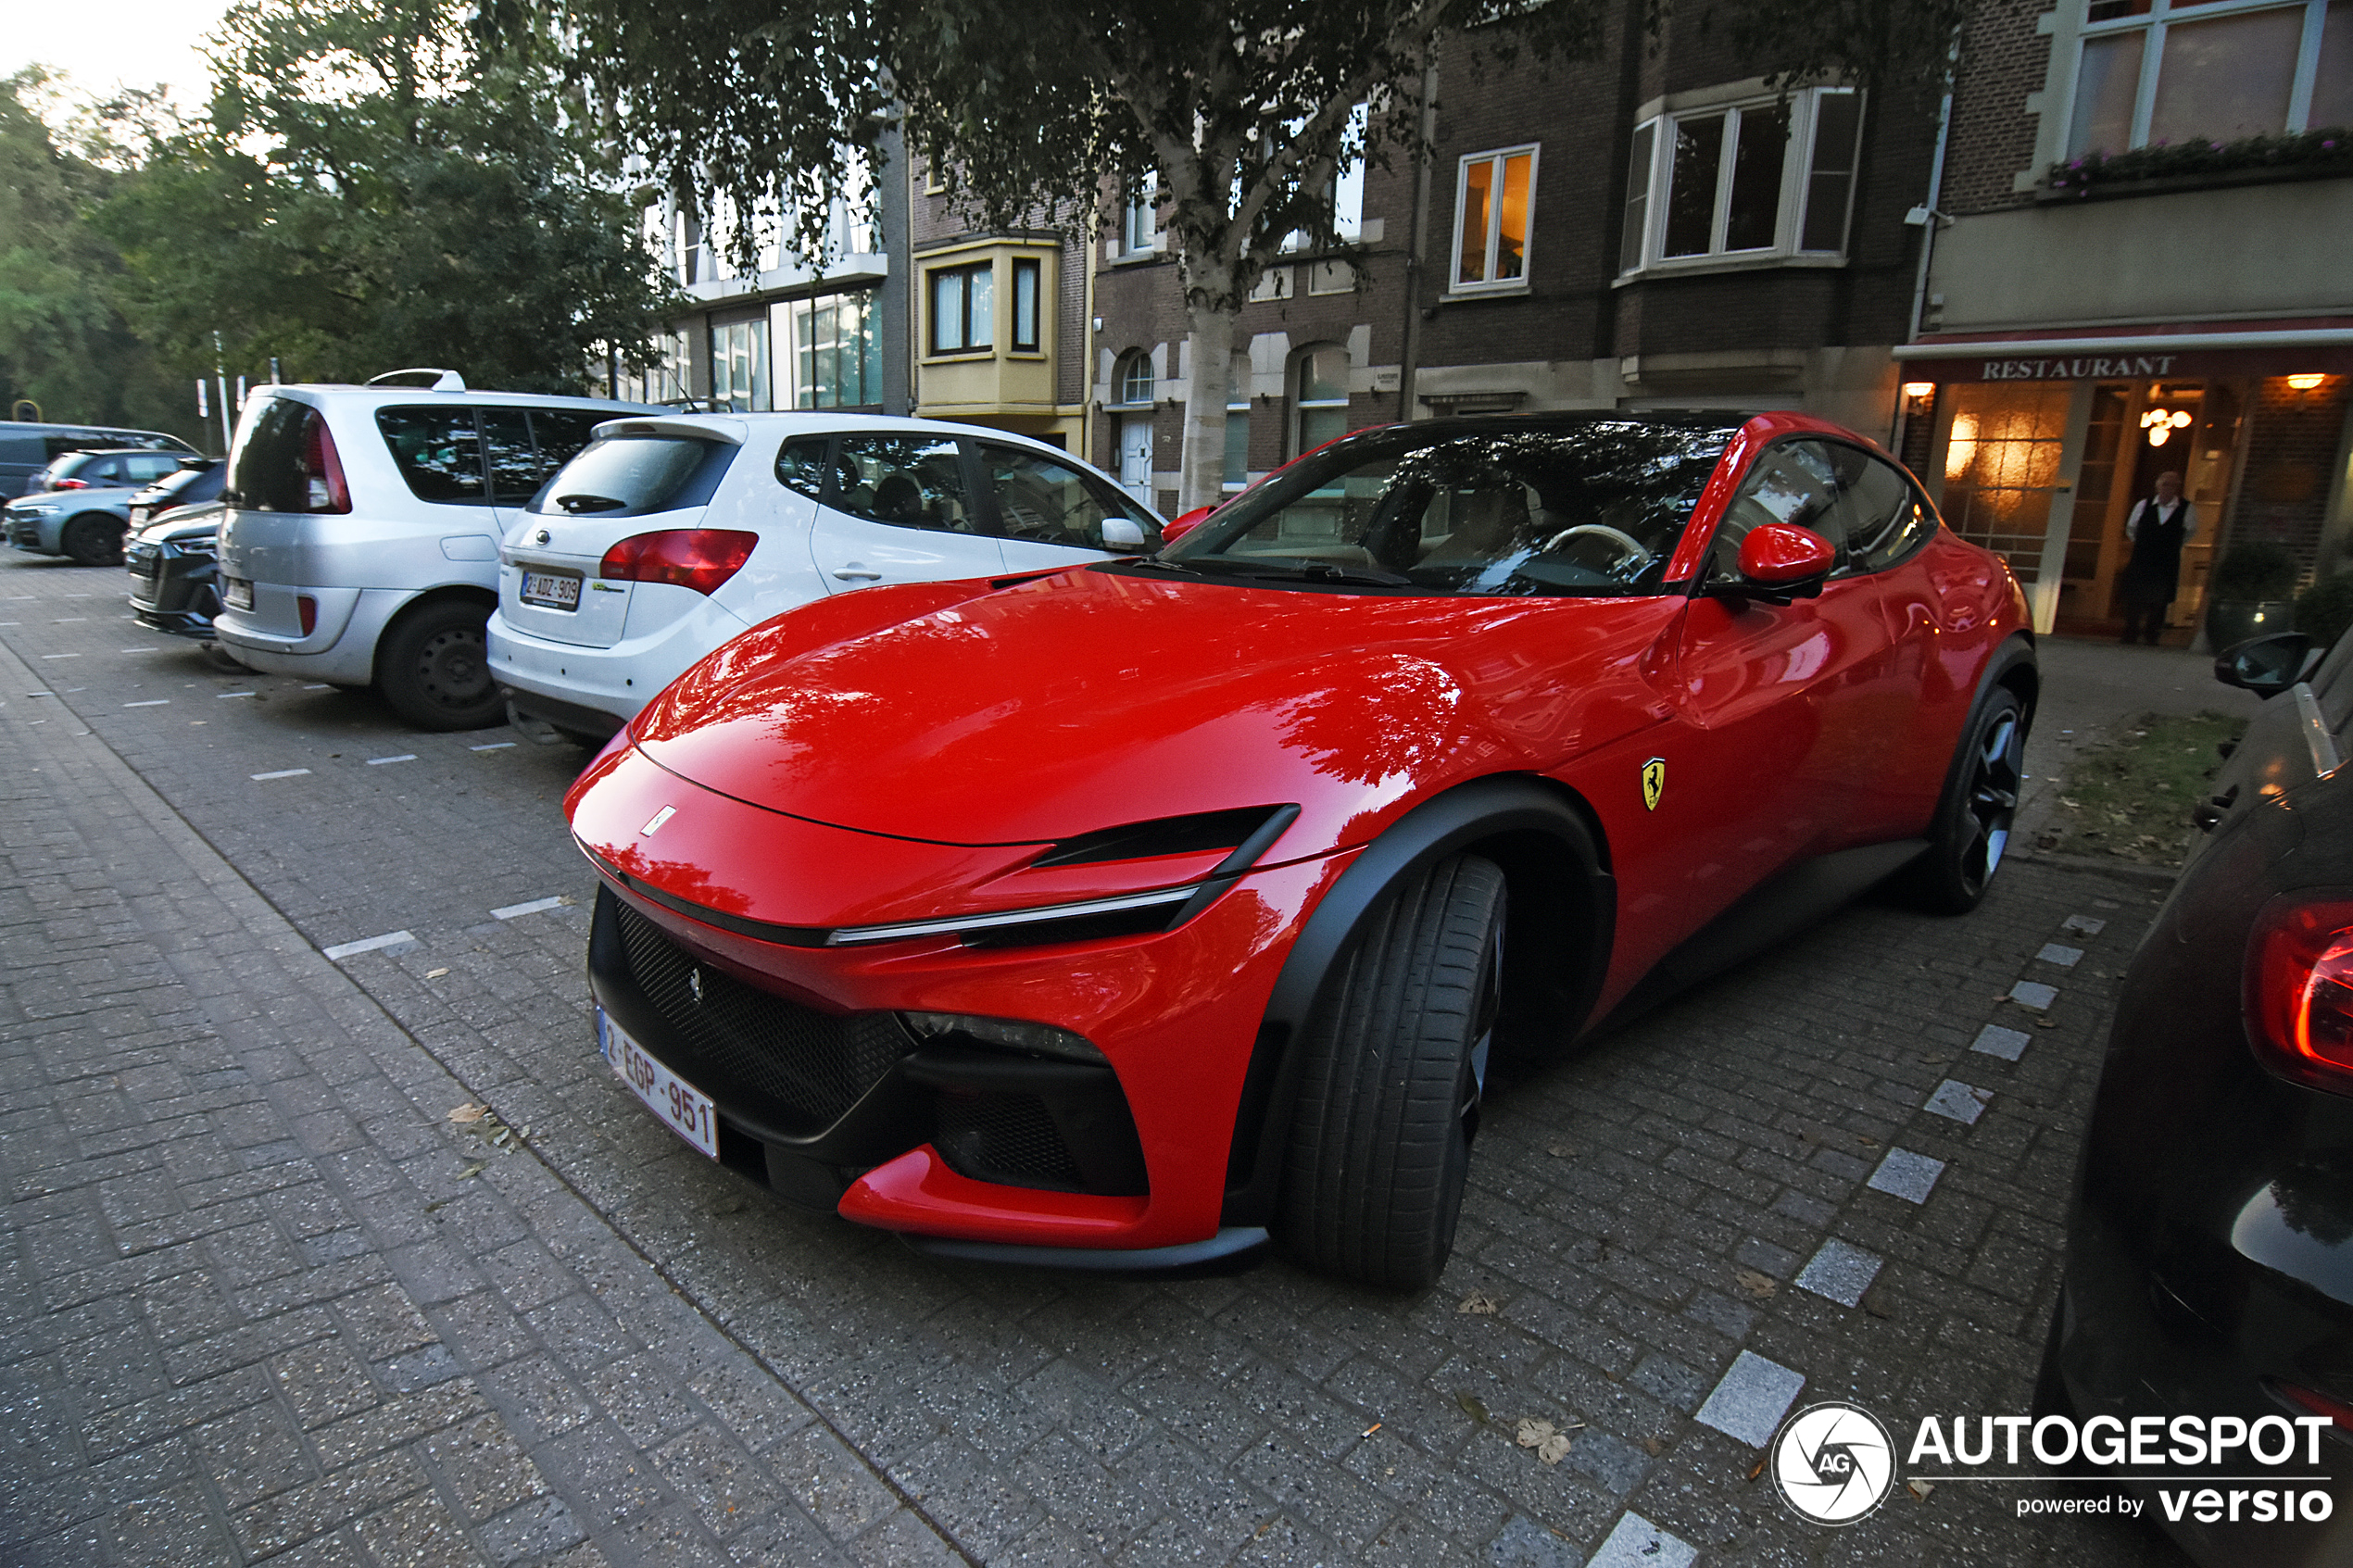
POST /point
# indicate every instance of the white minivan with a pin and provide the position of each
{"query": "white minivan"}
(671, 535)
(361, 544)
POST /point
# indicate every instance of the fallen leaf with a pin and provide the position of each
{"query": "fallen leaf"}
(1473, 1406)
(1553, 1450)
(1651, 1446)
(466, 1115)
(437, 1205)
(1757, 1469)
(1919, 1489)
(436, 973)
(1560, 1151)
(1757, 1285)
(1482, 1305)
(476, 1169)
(2045, 1024)
(1878, 1305)
(1533, 1431)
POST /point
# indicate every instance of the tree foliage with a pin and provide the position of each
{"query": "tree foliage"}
(63, 343)
(372, 188)
(1240, 110)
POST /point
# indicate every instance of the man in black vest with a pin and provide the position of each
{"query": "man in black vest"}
(2160, 526)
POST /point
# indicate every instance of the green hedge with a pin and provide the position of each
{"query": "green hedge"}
(2325, 609)
(2330, 146)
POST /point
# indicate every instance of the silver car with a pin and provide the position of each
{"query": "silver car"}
(360, 547)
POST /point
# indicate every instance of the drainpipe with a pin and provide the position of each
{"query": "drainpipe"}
(1928, 220)
(1410, 356)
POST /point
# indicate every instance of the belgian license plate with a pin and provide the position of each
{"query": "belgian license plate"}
(685, 1109)
(239, 593)
(551, 589)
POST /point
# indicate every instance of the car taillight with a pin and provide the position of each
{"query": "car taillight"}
(323, 489)
(306, 609)
(2298, 996)
(700, 558)
(69, 485)
(2312, 1400)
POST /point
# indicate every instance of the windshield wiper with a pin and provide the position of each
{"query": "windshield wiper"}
(585, 502)
(1308, 571)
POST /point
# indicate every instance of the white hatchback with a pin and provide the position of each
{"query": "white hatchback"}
(669, 536)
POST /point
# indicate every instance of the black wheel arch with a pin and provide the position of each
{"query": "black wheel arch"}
(2012, 669)
(1563, 903)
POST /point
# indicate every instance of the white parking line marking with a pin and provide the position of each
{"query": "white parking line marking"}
(2008, 1044)
(1840, 1271)
(77, 596)
(240, 693)
(68, 621)
(317, 686)
(1958, 1101)
(151, 702)
(2033, 996)
(494, 745)
(511, 911)
(1748, 1404)
(147, 647)
(341, 950)
(380, 761)
(12, 623)
(281, 774)
(61, 655)
(39, 693)
(1905, 1174)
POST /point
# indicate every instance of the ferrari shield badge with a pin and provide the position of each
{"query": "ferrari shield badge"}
(1654, 782)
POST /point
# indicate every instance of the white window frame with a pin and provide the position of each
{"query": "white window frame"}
(1647, 198)
(1140, 221)
(1455, 282)
(1124, 371)
(2155, 24)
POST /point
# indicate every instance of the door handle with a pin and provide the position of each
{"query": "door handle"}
(2206, 815)
(853, 572)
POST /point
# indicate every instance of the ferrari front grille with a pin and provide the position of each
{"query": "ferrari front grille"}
(788, 1066)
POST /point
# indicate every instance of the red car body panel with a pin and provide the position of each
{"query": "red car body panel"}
(834, 767)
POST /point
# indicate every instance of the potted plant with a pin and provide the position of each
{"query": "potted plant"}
(2250, 592)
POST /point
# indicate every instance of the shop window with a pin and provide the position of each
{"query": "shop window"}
(739, 366)
(1319, 396)
(1493, 193)
(963, 308)
(838, 351)
(1027, 275)
(2149, 73)
(2002, 468)
(1743, 181)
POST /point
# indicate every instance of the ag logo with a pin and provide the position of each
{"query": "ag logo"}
(1833, 1462)
(1654, 783)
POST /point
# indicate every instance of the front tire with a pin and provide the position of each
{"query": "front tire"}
(1973, 820)
(94, 539)
(1389, 1099)
(435, 669)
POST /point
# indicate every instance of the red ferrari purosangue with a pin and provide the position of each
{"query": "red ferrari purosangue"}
(1128, 915)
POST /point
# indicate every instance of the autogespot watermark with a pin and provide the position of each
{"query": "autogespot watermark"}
(1834, 1463)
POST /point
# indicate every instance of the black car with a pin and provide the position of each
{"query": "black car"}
(194, 482)
(2209, 1288)
(175, 569)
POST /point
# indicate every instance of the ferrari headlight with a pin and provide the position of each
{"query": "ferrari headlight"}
(1044, 1039)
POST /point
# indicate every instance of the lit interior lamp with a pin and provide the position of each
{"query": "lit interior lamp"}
(1918, 395)
(2162, 422)
(2301, 383)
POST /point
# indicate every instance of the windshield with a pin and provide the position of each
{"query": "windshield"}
(1586, 508)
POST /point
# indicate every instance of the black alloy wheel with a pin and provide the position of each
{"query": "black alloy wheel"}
(94, 539)
(1974, 822)
(1393, 1070)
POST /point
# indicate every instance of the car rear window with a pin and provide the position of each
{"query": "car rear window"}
(633, 475)
(267, 471)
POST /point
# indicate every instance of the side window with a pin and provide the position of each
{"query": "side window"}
(562, 434)
(1889, 520)
(1794, 482)
(1053, 503)
(149, 467)
(438, 452)
(801, 467)
(516, 472)
(907, 481)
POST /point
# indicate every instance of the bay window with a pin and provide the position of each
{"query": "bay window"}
(963, 308)
(1755, 179)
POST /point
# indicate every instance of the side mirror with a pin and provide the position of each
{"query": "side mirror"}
(1181, 526)
(1123, 533)
(2267, 666)
(1781, 561)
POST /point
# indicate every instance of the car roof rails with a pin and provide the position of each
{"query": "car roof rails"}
(444, 381)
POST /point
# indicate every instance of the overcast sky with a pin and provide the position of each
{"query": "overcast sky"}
(122, 44)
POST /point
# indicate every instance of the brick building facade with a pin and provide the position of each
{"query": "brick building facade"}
(2087, 327)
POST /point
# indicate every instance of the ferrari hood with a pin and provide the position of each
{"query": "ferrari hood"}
(1092, 699)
